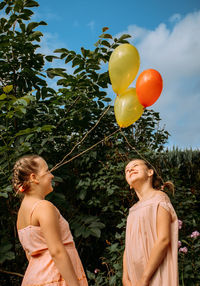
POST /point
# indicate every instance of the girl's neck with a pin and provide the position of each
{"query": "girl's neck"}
(34, 195)
(144, 191)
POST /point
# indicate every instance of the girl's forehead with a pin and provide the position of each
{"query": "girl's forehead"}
(42, 163)
(132, 163)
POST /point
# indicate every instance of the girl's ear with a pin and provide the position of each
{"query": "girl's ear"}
(33, 178)
(150, 172)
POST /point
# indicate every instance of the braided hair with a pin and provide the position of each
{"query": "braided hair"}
(22, 170)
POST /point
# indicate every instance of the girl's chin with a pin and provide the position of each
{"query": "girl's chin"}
(50, 190)
(133, 180)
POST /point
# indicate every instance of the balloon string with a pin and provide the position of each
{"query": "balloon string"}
(78, 143)
(66, 112)
(76, 156)
(140, 155)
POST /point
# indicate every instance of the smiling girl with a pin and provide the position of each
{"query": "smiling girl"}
(151, 248)
(43, 232)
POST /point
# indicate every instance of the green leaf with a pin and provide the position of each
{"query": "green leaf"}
(50, 74)
(47, 128)
(78, 69)
(97, 224)
(8, 9)
(2, 127)
(2, 5)
(43, 23)
(3, 21)
(105, 29)
(7, 256)
(50, 58)
(36, 35)
(31, 3)
(63, 50)
(82, 194)
(95, 232)
(124, 36)
(31, 26)
(58, 179)
(22, 109)
(28, 12)
(21, 101)
(3, 195)
(69, 58)
(3, 96)
(124, 42)
(25, 131)
(106, 36)
(112, 280)
(76, 61)
(90, 275)
(106, 43)
(26, 16)
(8, 88)
(101, 104)
(55, 72)
(84, 52)
(22, 27)
(5, 247)
(107, 99)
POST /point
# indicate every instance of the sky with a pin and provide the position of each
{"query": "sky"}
(167, 36)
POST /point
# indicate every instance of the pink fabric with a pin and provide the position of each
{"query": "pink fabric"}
(41, 269)
(140, 238)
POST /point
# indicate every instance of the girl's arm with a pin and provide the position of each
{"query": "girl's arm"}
(161, 245)
(47, 216)
(125, 278)
(27, 255)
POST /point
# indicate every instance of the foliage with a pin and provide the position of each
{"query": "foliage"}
(183, 167)
(189, 262)
(90, 191)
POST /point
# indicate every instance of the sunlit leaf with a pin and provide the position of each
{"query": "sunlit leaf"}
(8, 88)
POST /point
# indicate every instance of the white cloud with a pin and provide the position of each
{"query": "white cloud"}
(49, 43)
(175, 18)
(76, 23)
(175, 53)
(91, 25)
(45, 16)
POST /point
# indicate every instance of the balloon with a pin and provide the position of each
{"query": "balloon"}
(127, 108)
(149, 87)
(123, 67)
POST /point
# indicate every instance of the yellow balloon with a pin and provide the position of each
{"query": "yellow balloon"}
(127, 108)
(123, 67)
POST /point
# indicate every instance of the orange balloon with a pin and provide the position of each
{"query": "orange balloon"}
(149, 87)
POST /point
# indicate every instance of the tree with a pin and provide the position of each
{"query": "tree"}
(90, 191)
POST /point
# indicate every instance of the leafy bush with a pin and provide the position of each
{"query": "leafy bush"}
(90, 191)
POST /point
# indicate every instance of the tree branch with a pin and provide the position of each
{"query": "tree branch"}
(78, 143)
(11, 273)
(61, 164)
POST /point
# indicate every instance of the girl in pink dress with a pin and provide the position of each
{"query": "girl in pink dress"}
(151, 248)
(43, 232)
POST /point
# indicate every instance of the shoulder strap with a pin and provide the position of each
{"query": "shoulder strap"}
(33, 208)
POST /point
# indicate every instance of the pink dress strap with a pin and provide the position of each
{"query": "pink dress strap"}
(33, 208)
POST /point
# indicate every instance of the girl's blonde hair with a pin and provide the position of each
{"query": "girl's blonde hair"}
(23, 168)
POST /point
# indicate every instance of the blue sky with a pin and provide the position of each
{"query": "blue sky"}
(167, 36)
